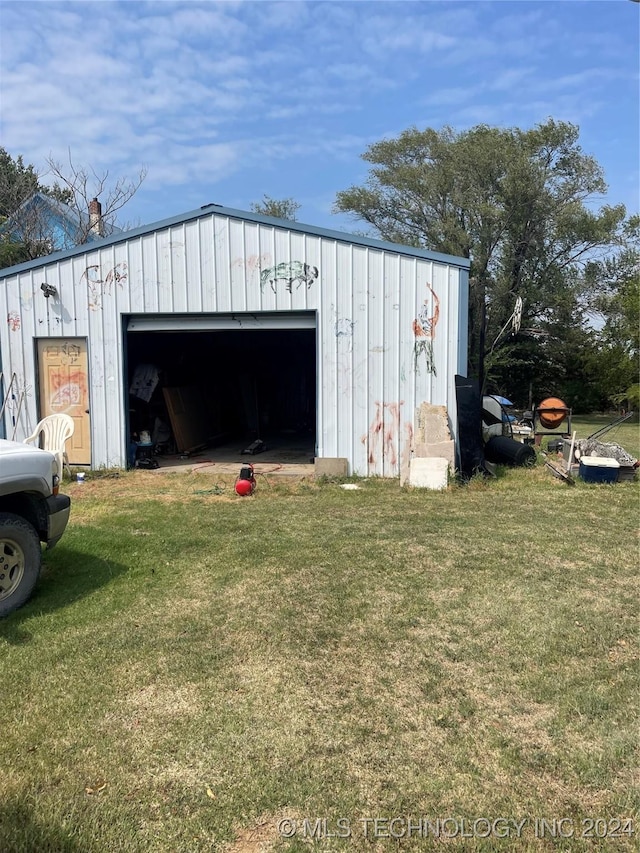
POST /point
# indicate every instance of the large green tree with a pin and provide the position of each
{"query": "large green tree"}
(519, 204)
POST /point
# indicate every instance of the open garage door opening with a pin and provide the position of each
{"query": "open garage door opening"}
(200, 390)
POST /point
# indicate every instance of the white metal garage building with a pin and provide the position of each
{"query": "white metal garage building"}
(239, 325)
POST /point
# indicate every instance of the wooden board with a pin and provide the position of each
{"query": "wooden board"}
(187, 413)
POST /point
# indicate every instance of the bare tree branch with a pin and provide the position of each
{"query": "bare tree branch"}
(84, 185)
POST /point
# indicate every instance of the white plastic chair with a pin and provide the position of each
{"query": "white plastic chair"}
(55, 431)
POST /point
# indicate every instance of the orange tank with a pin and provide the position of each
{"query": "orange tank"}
(552, 412)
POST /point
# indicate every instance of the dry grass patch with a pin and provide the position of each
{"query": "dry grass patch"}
(262, 836)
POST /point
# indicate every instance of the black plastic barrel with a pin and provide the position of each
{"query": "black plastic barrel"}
(507, 451)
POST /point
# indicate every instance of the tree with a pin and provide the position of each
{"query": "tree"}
(517, 203)
(613, 294)
(33, 230)
(285, 208)
(84, 185)
(17, 184)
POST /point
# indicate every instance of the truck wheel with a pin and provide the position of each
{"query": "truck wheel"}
(20, 561)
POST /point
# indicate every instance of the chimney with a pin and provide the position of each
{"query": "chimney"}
(95, 218)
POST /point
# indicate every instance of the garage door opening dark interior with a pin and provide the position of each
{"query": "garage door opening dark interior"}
(223, 389)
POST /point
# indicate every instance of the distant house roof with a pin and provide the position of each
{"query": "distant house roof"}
(206, 210)
(41, 218)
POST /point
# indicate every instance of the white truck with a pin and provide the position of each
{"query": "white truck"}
(31, 511)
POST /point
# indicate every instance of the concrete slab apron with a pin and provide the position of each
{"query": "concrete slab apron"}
(290, 462)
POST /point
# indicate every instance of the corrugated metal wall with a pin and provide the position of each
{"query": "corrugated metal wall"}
(391, 325)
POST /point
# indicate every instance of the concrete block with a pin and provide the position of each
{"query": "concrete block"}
(429, 473)
(443, 450)
(432, 424)
(330, 466)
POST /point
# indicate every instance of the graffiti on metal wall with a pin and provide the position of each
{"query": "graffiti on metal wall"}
(346, 371)
(384, 433)
(344, 332)
(99, 285)
(13, 320)
(424, 331)
(253, 263)
(290, 272)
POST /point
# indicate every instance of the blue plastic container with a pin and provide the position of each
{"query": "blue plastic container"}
(599, 469)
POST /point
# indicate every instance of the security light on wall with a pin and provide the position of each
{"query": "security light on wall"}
(48, 289)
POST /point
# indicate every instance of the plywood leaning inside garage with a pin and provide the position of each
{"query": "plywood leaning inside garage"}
(188, 420)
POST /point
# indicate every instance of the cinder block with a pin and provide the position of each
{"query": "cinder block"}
(429, 473)
(443, 450)
(432, 424)
(330, 466)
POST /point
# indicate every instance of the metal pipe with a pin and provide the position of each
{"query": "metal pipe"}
(613, 424)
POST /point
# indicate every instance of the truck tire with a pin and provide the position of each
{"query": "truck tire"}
(20, 561)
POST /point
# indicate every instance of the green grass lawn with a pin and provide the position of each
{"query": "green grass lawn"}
(200, 672)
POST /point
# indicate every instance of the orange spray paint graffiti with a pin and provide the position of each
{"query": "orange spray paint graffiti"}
(424, 330)
(253, 263)
(68, 389)
(383, 433)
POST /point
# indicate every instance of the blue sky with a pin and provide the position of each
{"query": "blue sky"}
(226, 102)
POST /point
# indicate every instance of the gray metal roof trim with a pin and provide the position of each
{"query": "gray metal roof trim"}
(208, 210)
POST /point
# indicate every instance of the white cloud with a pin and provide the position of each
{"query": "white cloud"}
(307, 109)
(216, 95)
(512, 78)
(403, 34)
(451, 97)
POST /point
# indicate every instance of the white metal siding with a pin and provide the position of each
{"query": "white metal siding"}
(373, 369)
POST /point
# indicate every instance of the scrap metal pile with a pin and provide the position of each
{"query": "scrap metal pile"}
(607, 450)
